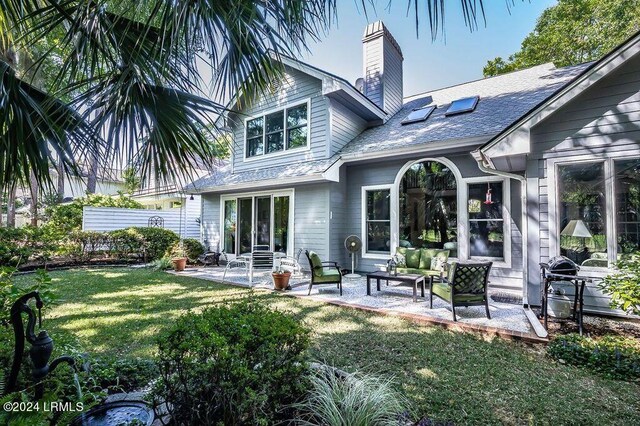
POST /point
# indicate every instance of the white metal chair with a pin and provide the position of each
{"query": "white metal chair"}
(238, 262)
(291, 263)
(260, 259)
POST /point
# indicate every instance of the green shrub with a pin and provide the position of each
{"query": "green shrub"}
(623, 285)
(614, 357)
(123, 374)
(19, 245)
(192, 249)
(85, 245)
(10, 291)
(353, 399)
(126, 243)
(162, 264)
(156, 241)
(235, 364)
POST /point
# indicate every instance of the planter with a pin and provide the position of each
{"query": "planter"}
(179, 263)
(281, 280)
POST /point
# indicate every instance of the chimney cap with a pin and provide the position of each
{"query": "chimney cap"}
(378, 29)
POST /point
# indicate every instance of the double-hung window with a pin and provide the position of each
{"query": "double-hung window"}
(278, 131)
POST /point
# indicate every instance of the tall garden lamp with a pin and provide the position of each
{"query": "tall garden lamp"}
(577, 228)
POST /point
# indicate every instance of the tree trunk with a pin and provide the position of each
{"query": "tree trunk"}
(1, 207)
(33, 189)
(11, 208)
(60, 189)
(92, 179)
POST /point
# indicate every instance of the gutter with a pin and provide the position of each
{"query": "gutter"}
(481, 159)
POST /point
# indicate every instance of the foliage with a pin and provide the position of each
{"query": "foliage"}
(612, 356)
(65, 218)
(189, 247)
(84, 245)
(126, 243)
(354, 400)
(123, 374)
(10, 291)
(237, 364)
(131, 180)
(19, 245)
(573, 32)
(156, 241)
(162, 264)
(623, 285)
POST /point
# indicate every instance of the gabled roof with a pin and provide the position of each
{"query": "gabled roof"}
(514, 141)
(503, 99)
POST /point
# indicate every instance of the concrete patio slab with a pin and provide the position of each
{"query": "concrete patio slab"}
(507, 320)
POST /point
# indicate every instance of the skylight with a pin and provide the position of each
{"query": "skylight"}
(462, 105)
(419, 114)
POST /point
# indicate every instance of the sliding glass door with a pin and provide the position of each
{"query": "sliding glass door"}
(261, 220)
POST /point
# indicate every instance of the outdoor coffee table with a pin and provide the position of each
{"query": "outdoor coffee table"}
(411, 279)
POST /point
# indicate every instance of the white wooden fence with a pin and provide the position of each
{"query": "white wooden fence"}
(182, 221)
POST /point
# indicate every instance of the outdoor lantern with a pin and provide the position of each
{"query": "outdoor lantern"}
(392, 267)
(487, 199)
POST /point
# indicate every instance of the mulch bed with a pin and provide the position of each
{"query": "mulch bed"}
(596, 326)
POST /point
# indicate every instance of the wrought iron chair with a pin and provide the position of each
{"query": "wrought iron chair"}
(323, 272)
(466, 285)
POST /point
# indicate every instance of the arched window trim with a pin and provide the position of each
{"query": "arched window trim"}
(463, 246)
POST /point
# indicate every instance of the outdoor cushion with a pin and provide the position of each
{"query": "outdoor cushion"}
(438, 264)
(426, 272)
(413, 258)
(401, 261)
(316, 264)
(328, 275)
(444, 291)
(427, 256)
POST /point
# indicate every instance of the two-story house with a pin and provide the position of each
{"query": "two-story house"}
(466, 168)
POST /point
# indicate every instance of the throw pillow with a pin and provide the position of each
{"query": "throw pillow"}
(438, 264)
(401, 261)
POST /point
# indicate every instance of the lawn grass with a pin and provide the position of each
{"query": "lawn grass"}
(448, 376)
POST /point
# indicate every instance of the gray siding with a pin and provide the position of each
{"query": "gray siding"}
(345, 125)
(392, 78)
(211, 220)
(602, 122)
(312, 220)
(372, 57)
(297, 87)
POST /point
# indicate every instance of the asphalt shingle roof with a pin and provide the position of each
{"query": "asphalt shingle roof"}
(223, 176)
(503, 100)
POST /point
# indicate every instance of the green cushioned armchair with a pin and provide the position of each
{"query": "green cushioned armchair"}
(323, 272)
(466, 285)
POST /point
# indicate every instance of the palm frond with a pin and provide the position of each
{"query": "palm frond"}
(33, 127)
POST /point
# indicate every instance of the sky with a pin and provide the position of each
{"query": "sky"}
(457, 58)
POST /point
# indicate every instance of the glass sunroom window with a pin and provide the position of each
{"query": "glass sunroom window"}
(378, 220)
(582, 209)
(428, 207)
(230, 219)
(627, 199)
(486, 223)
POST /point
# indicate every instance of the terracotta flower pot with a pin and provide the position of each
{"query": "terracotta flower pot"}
(281, 280)
(179, 264)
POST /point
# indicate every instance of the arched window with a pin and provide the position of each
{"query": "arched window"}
(428, 207)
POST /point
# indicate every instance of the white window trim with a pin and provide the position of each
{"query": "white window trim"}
(285, 151)
(504, 262)
(365, 189)
(463, 246)
(554, 204)
(289, 192)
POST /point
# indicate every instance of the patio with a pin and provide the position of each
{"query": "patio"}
(507, 319)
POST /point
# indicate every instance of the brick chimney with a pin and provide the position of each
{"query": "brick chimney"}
(382, 68)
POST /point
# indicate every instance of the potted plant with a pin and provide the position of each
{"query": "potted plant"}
(559, 304)
(178, 257)
(280, 278)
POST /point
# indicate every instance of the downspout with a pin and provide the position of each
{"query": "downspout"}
(540, 331)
